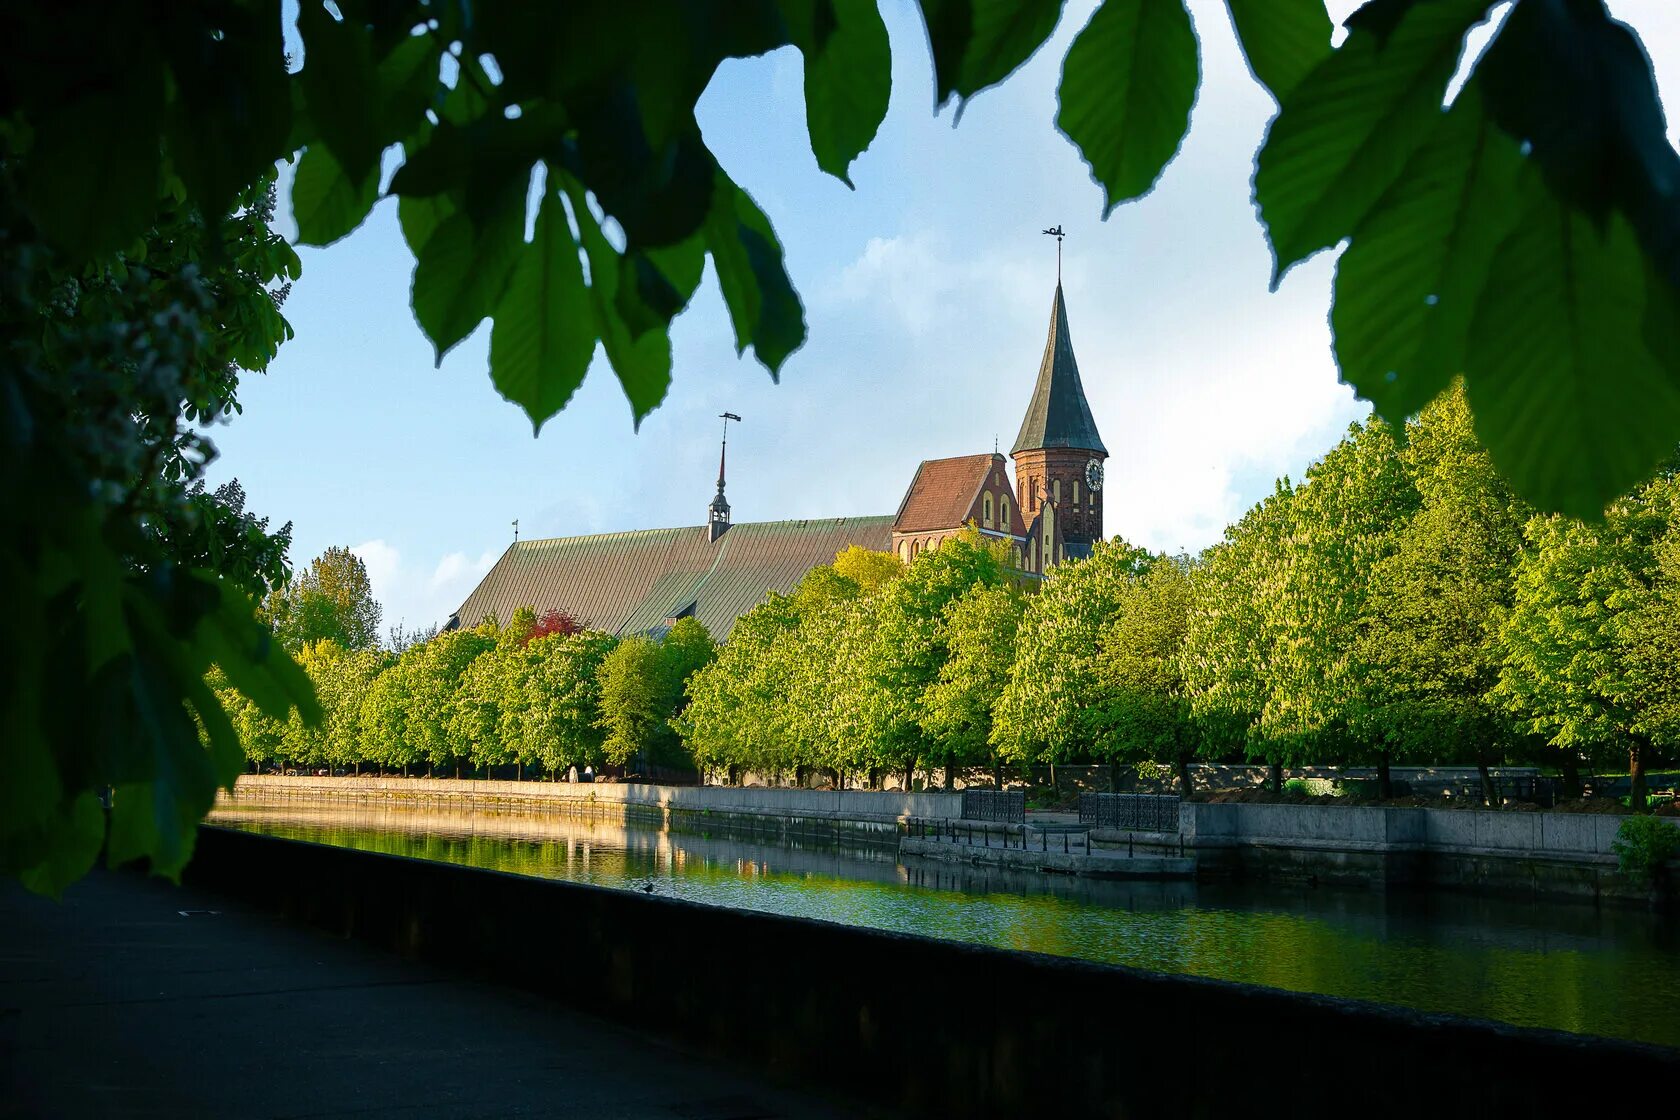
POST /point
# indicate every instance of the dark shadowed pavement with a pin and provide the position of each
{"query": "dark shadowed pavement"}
(133, 998)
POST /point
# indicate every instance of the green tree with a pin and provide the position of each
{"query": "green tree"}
(331, 601)
(1346, 517)
(1052, 709)
(1429, 641)
(958, 708)
(1525, 241)
(552, 710)
(642, 683)
(1586, 596)
(1142, 709)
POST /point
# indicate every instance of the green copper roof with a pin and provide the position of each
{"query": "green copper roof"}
(1058, 415)
(629, 583)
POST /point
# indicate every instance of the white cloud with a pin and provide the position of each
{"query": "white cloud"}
(415, 595)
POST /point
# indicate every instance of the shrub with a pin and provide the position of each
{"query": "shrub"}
(1644, 844)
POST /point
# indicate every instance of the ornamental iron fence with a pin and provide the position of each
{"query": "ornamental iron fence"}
(1130, 812)
(1007, 806)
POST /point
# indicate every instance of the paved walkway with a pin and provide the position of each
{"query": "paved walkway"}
(136, 998)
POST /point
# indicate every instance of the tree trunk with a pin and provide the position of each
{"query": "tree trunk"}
(799, 776)
(1054, 793)
(1489, 793)
(1636, 776)
(1275, 777)
(1114, 777)
(950, 771)
(1184, 786)
(909, 776)
(731, 774)
(997, 773)
(1385, 783)
(834, 776)
(1571, 764)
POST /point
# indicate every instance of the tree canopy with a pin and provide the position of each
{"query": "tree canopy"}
(1523, 234)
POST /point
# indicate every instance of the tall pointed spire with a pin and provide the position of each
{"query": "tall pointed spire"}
(1058, 414)
(717, 514)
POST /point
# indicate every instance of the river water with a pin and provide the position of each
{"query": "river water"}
(1569, 966)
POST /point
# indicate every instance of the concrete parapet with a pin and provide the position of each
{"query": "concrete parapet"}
(932, 1028)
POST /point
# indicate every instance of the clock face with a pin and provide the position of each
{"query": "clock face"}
(1093, 475)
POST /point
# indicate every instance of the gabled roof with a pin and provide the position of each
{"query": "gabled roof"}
(630, 583)
(1058, 414)
(943, 492)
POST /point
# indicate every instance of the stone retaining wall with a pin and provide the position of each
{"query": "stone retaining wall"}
(1553, 853)
(872, 814)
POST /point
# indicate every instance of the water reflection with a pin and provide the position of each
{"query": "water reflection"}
(1567, 966)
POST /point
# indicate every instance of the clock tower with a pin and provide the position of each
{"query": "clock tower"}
(1059, 455)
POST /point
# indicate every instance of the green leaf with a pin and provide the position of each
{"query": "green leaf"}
(1407, 288)
(763, 306)
(253, 661)
(1346, 132)
(326, 204)
(643, 364)
(544, 331)
(73, 838)
(656, 284)
(1127, 87)
(463, 268)
(848, 78)
(1282, 39)
(232, 108)
(1577, 86)
(1570, 401)
(90, 181)
(978, 43)
(341, 88)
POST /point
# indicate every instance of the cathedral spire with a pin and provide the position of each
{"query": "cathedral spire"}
(1058, 414)
(717, 514)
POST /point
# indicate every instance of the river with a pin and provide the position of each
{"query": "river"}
(1569, 966)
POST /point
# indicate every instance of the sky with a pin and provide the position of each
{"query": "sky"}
(927, 293)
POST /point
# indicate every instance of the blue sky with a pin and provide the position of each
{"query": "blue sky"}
(927, 291)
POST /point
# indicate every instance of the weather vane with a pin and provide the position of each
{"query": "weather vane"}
(1056, 232)
(516, 530)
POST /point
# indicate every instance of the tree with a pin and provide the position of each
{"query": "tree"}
(1429, 641)
(980, 637)
(1143, 711)
(1052, 709)
(1524, 236)
(642, 683)
(551, 710)
(332, 601)
(1585, 596)
(130, 580)
(1345, 518)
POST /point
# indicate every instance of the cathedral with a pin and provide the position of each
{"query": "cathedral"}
(641, 582)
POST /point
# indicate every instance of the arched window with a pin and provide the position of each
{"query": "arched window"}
(986, 510)
(904, 551)
(1016, 553)
(1056, 490)
(1032, 555)
(1004, 522)
(1076, 492)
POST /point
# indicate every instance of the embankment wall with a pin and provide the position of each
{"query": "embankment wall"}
(869, 816)
(934, 1028)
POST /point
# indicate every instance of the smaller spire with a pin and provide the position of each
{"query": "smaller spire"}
(717, 514)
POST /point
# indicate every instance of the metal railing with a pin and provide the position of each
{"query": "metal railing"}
(1067, 839)
(1131, 812)
(1007, 806)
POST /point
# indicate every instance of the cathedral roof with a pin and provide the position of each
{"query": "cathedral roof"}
(629, 583)
(943, 493)
(1058, 415)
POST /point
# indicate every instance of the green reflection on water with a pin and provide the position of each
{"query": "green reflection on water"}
(1566, 966)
